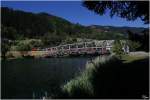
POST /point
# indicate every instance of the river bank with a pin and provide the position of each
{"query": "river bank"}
(45, 54)
(112, 78)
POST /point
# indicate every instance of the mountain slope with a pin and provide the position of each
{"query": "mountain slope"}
(116, 29)
(29, 24)
(18, 24)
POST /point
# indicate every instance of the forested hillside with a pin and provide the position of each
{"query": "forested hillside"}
(18, 24)
(52, 30)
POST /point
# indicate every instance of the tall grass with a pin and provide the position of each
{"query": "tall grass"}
(81, 86)
(109, 77)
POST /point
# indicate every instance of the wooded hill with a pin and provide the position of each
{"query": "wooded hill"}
(18, 25)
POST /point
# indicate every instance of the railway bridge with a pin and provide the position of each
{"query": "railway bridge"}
(81, 48)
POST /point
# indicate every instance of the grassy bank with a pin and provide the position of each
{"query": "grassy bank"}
(111, 78)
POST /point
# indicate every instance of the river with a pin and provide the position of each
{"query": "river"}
(33, 78)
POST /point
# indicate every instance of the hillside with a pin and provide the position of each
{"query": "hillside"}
(116, 29)
(18, 25)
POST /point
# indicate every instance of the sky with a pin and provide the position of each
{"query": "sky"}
(72, 11)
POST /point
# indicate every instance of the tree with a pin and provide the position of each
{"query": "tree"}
(51, 39)
(118, 48)
(8, 32)
(134, 45)
(5, 46)
(145, 40)
(23, 46)
(35, 43)
(129, 10)
(139, 41)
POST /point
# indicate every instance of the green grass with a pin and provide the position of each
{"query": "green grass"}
(80, 86)
(110, 77)
(130, 58)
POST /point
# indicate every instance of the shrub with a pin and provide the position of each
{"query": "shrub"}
(5, 47)
(134, 45)
(118, 48)
(23, 46)
(35, 43)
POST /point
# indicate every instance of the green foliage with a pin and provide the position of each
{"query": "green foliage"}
(51, 39)
(23, 46)
(110, 77)
(26, 45)
(8, 32)
(131, 58)
(36, 43)
(139, 41)
(107, 36)
(134, 45)
(81, 86)
(5, 47)
(52, 30)
(130, 10)
(118, 48)
(69, 40)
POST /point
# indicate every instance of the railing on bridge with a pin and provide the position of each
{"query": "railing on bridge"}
(99, 47)
(93, 47)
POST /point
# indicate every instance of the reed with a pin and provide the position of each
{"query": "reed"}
(82, 86)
